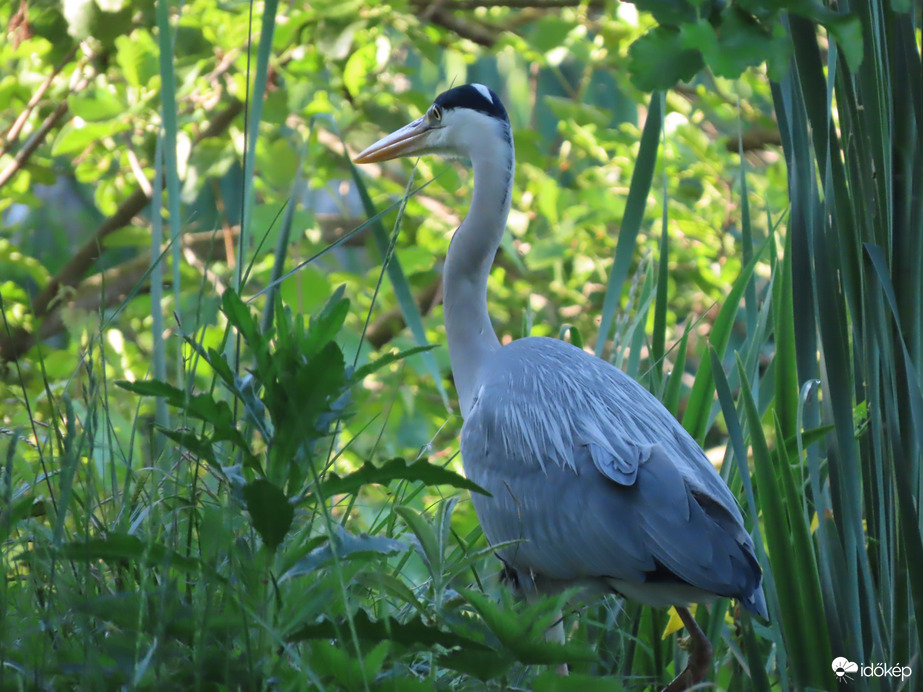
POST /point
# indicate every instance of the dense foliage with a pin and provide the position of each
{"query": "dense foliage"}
(202, 487)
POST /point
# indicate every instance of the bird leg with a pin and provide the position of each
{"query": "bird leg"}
(556, 634)
(699, 657)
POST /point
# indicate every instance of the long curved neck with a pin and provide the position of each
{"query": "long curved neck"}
(470, 334)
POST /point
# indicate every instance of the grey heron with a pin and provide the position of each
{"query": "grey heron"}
(594, 479)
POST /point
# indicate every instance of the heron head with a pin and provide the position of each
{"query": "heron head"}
(465, 121)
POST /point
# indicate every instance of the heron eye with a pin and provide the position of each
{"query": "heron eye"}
(436, 112)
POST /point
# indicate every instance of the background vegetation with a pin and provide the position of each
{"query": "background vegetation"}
(204, 488)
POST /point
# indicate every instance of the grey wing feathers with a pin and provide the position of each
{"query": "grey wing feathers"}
(597, 479)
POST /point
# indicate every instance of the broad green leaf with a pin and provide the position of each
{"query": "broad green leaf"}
(138, 56)
(332, 660)
(359, 68)
(669, 12)
(97, 105)
(739, 41)
(483, 665)
(345, 545)
(271, 512)
(659, 59)
(410, 633)
(74, 138)
(239, 316)
(551, 681)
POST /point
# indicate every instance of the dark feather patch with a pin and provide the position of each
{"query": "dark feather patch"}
(471, 97)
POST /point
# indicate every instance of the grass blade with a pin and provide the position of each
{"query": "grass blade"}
(634, 214)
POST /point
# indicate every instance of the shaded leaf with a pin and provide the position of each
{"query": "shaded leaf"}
(659, 59)
(270, 510)
(550, 681)
(397, 469)
(412, 633)
(121, 546)
(346, 545)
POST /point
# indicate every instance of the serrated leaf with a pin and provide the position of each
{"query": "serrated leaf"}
(739, 41)
(483, 665)
(271, 512)
(412, 633)
(154, 388)
(396, 469)
(202, 406)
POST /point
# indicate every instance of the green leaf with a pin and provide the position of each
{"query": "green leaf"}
(359, 67)
(784, 531)
(846, 31)
(270, 510)
(202, 406)
(739, 41)
(670, 12)
(329, 660)
(329, 321)
(659, 59)
(698, 408)
(346, 545)
(121, 546)
(523, 633)
(640, 186)
(389, 358)
(428, 542)
(200, 446)
(483, 665)
(411, 633)
(550, 681)
(97, 105)
(396, 469)
(393, 586)
(74, 138)
(239, 316)
(139, 58)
